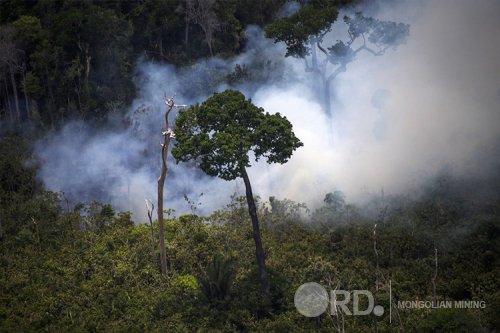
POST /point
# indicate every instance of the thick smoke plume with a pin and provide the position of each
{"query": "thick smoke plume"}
(397, 119)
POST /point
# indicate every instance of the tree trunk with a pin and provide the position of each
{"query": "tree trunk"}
(16, 98)
(208, 38)
(327, 101)
(323, 84)
(161, 228)
(150, 217)
(26, 99)
(51, 107)
(259, 251)
(327, 82)
(186, 36)
(314, 57)
(161, 185)
(7, 102)
(88, 58)
(209, 43)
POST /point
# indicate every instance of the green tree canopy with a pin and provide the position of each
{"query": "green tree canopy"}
(295, 31)
(220, 133)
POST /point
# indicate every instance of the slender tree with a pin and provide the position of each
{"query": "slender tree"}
(10, 65)
(168, 134)
(220, 133)
(150, 218)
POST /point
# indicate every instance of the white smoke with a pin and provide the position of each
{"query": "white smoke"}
(397, 118)
(401, 117)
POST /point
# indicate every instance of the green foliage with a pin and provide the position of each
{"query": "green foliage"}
(335, 211)
(32, 85)
(220, 133)
(75, 59)
(28, 31)
(313, 19)
(336, 200)
(187, 281)
(287, 210)
(218, 277)
(96, 279)
(448, 321)
(379, 33)
(18, 185)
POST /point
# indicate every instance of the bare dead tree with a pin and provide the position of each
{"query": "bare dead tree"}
(168, 134)
(150, 217)
(201, 12)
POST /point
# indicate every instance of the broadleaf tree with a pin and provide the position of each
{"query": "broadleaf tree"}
(222, 133)
(305, 34)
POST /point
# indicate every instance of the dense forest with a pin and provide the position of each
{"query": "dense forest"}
(62, 60)
(76, 265)
(89, 268)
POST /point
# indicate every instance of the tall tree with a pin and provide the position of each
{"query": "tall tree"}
(305, 31)
(10, 65)
(28, 32)
(220, 133)
(167, 136)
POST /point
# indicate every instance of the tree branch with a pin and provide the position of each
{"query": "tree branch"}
(321, 48)
(366, 48)
(342, 68)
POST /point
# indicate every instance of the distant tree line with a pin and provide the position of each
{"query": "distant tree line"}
(70, 59)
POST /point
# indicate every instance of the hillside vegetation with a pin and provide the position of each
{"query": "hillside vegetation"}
(84, 267)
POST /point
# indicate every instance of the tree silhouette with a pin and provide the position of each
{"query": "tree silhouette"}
(305, 32)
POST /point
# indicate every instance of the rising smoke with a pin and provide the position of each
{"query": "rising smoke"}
(397, 119)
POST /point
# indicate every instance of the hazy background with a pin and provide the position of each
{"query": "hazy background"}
(397, 119)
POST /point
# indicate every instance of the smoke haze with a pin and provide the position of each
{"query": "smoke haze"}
(397, 119)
